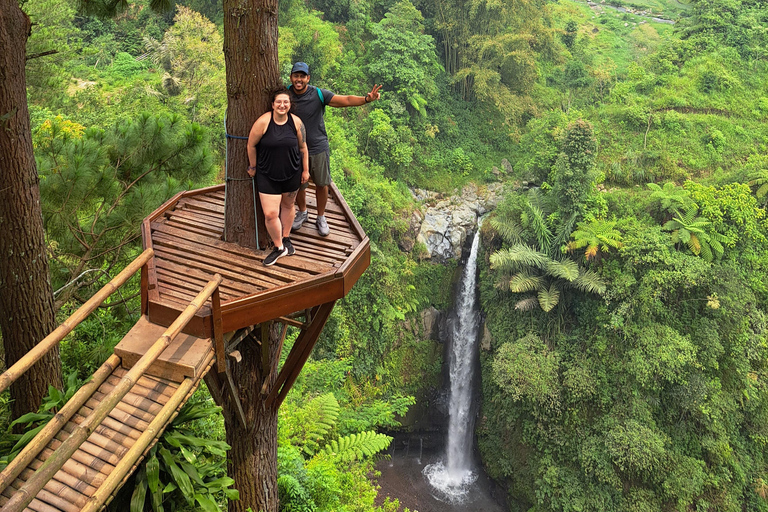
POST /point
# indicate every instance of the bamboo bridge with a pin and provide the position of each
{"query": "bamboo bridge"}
(200, 298)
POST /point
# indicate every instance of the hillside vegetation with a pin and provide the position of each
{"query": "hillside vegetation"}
(623, 277)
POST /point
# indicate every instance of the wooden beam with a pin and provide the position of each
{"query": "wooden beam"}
(53, 339)
(240, 336)
(218, 334)
(294, 323)
(265, 346)
(276, 361)
(299, 355)
(235, 396)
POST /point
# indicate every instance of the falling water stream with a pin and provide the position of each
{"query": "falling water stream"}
(452, 478)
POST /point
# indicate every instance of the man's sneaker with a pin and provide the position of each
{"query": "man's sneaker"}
(301, 218)
(322, 226)
(274, 255)
(289, 246)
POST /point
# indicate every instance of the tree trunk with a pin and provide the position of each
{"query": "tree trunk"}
(26, 298)
(250, 56)
(252, 461)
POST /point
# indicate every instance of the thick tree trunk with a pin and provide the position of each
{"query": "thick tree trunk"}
(250, 56)
(252, 461)
(26, 298)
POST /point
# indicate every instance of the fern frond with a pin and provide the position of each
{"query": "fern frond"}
(326, 413)
(694, 244)
(357, 446)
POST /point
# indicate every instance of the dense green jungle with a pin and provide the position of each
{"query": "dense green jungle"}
(623, 275)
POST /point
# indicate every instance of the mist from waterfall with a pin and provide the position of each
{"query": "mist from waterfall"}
(452, 478)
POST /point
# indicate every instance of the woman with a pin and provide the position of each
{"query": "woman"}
(278, 157)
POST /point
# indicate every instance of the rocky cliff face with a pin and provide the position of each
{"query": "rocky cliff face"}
(443, 223)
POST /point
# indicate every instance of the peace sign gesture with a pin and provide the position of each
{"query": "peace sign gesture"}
(374, 94)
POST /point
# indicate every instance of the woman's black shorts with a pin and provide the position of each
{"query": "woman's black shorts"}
(272, 187)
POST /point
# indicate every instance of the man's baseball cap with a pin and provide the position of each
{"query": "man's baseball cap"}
(300, 67)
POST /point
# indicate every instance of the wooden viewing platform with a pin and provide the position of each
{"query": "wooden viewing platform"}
(187, 232)
(201, 288)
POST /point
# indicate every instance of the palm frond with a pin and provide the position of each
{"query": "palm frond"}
(524, 282)
(527, 304)
(564, 269)
(507, 228)
(589, 281)
(517, 257)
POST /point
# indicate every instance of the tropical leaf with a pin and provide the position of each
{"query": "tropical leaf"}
(507, 228)
(358, 446)
(564, 269)
(527, 304)
(548, 299)
(516, 257)
(589, 281)
(326, 415)
(525, 282)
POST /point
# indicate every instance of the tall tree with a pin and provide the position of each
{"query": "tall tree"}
(250, 58)
(26, 298)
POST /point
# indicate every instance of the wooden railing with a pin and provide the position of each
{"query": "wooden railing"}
(53, 339)
(22, 497)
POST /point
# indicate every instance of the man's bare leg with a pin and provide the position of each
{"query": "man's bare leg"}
(301, 199)
(322, 199)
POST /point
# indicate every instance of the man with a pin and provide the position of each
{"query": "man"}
(309, 105)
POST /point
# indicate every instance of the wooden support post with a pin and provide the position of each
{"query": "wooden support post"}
(218, 335)
(144, 289)
(275, 362)
(22, 497)
(265, 346)
(235, 396)
(299, 355)
(290, 321)
(50, 341)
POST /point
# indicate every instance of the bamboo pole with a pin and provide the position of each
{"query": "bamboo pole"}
(50, 341)
(28, 491)
(56, 423)
(135, 452)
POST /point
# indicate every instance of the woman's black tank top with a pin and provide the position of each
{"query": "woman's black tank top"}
(277, 153)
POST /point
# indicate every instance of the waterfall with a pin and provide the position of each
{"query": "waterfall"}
(453, 478)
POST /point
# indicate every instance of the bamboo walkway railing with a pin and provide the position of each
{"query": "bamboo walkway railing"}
(50, 341)
(53, 463)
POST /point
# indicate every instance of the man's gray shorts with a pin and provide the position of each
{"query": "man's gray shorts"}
(319, 170)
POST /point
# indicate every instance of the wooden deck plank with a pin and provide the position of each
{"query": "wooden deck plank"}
(232, 267)
(204, 269)
(195, 225)
(194, 285)
(182, 226)
(331, 244)
(230, 253)
(173, 271)
(191, 203)
(209, 221)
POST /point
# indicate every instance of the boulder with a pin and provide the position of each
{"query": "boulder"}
(445, 225)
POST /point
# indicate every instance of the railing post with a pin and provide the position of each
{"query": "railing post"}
(218, 335)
